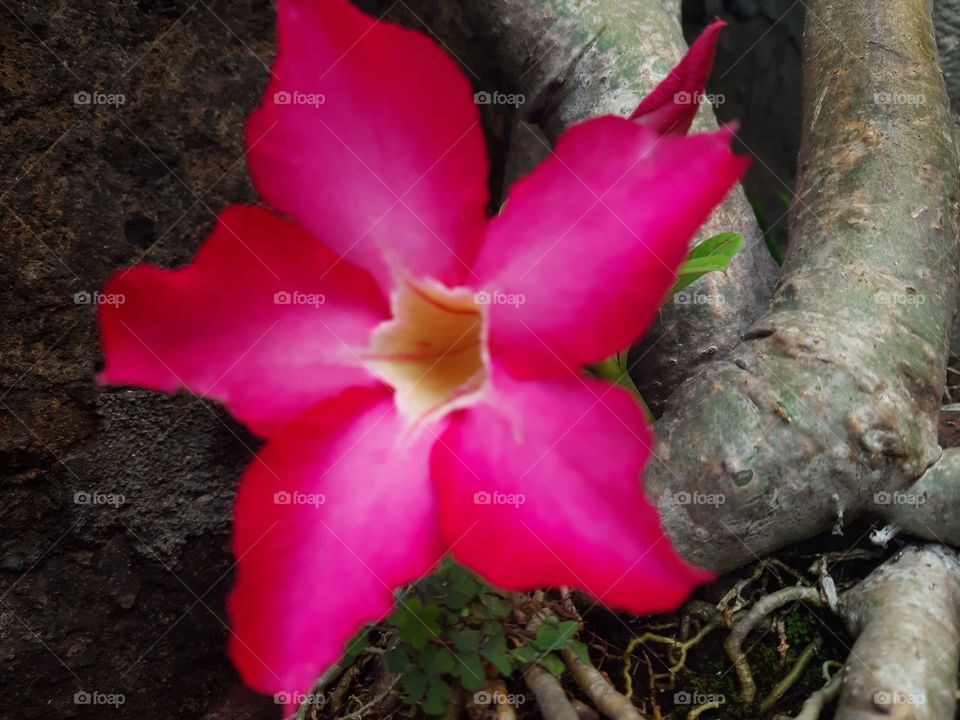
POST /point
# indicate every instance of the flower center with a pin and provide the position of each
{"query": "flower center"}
(432, 352)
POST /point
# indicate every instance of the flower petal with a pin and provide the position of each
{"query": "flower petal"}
(674, 103)
(542, 487)
(588, 244)
(332, 517)
(263, 320)
(368, 137)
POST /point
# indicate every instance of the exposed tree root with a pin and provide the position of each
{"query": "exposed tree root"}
(818, 700)
(759, 612)
(551, 699)
(600, 690)
(790, 679)
(906, 617)
(681, 648)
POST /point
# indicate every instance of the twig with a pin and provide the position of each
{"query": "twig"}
(366, 707)
(813, 705)
(761, 609)
(791, 677)
(680, 646)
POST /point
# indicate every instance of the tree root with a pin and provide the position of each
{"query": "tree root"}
(813, 705)
(761, 609)
(906, 617)
(700, 709)
(930, 508)
(600, 690)
(552, 700)
(680, 646)
(790, 679)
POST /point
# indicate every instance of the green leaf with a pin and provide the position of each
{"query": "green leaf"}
(471, 671)
(492, 629)
(414, 683)
(456, 600)
(438, 695)
(615, 369)
(416, 623)
(553, 637)
(553, 664)
(713, 254)
(463, 581)
(495, 605)
(580, 649)
(494, 649)
(524, 654)
(436, 660)
(396, 660)
(466, 640)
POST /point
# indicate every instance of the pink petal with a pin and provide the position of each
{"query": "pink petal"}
(588, 244)
(219, 328)
(674, 103)
(335, 514)
(542, 487)
(369, 137)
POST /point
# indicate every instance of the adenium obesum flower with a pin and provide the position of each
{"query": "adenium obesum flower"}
(415, 367)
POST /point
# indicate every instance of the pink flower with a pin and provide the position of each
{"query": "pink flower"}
(415, 367)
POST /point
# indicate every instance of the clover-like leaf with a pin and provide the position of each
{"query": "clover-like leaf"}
(471, 671)
(466, 640)
(553, 636)
(524, 654)
(494, 649)
(396, 660)
(553, 664)
(438, 696)
(414, 684)
(436, 660)
(416, 623)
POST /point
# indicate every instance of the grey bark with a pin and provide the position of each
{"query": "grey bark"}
(574, 60)
(906, 618)
(834, 394)
(930, 508)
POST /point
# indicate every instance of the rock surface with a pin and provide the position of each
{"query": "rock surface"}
(121, 138)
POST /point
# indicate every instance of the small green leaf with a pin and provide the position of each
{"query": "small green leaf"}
(438, 695)
(414, 683)
(495, 605)
(396, 660)
(456, 600)
(466, 640)
(494, 649)
(471, 671)
(524, 654)
(552, 637)
(492, 629)
(416, 623)
(463, 581)
(580, 649)
(553, 664)
(713, 254)
(436, 660)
